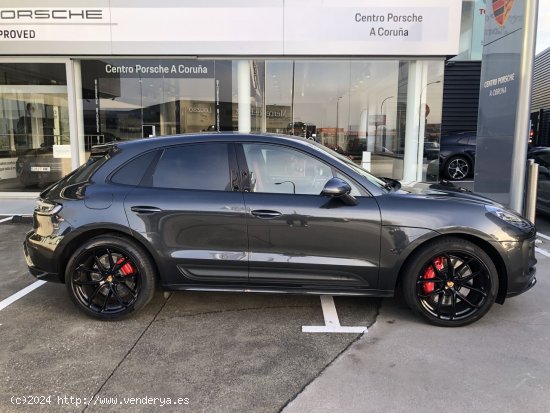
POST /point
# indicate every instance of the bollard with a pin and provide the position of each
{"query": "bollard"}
(366, 161)
(531, 198)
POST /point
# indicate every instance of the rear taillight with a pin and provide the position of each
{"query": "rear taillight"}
(47, 208)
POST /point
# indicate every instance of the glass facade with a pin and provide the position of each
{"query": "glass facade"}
(351, 106)
(125, 99)
(383, 114)
(34, 126)
(472, 24)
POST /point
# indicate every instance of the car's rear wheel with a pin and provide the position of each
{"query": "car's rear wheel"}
(109, 277)
(450, 282)
(457, 168)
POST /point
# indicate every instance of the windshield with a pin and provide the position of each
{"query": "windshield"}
(373, 179)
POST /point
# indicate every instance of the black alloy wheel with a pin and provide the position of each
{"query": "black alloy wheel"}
(451, 282)
(109, 277)
(457, 168)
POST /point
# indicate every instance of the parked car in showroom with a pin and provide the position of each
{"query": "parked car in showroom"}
(457, 155)
(266, 213)
(38, 167)
(431, 150)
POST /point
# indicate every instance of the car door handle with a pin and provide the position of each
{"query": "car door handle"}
(265, 213)
(145, 209)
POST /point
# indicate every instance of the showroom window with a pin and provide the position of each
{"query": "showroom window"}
(383, 114)
(357, 106)
(34, 126)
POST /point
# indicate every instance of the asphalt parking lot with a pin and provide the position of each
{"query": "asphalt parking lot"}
(223, 352)
(217, 352)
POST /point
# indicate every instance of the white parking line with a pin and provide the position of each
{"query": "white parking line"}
(332, 323)
(546, 237)
(13, 298)
(543, 252)
(6, 219)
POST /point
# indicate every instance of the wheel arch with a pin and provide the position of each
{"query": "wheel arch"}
(483, 244)
(74, 242)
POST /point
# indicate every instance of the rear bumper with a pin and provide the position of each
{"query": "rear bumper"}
(32, 256)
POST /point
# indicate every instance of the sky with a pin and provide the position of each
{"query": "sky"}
(543, 26)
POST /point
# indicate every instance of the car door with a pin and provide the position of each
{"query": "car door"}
(298, 237)
(190, 207)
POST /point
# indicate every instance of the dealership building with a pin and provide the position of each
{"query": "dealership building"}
(364, 78)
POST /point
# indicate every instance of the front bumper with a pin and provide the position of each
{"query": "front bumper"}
(522, 267)
(527, 288)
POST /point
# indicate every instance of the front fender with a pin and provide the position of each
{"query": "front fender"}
(396, 244)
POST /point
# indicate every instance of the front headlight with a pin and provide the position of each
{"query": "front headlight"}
(509, 217)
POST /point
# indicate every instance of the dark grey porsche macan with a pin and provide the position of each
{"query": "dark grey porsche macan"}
(265, 213)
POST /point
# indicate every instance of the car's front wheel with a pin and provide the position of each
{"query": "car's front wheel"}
(109, 276)
(450, 282)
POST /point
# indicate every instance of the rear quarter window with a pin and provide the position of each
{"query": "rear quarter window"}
(131, 173)
(85, 172)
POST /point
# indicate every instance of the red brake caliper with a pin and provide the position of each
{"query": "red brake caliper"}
(430, 273)
(127, 268)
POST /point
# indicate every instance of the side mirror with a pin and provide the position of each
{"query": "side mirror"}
(338, 188)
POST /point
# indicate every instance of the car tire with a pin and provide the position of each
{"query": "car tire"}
(450, 295)
(110, 277)
(457, 168)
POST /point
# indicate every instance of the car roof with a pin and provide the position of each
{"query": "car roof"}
(205, 137)
(144, 144)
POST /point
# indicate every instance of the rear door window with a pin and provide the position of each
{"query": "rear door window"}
(203, 166)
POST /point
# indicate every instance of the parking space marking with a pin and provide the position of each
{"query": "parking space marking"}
(6, 219)
(546, 237)
(543, 252)
(13, 298)
(332, 323)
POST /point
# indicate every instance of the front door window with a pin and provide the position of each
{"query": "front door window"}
(278, 169)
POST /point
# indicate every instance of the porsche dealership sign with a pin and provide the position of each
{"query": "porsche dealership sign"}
(262, 27)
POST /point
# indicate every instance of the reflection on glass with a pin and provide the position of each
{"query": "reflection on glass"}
(132, 99)
(357, 108)
(278, 99)
(275, 169)
(321, 98)
(432, 115)
(34, 126)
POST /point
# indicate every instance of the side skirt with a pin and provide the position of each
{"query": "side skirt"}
(271, 290)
